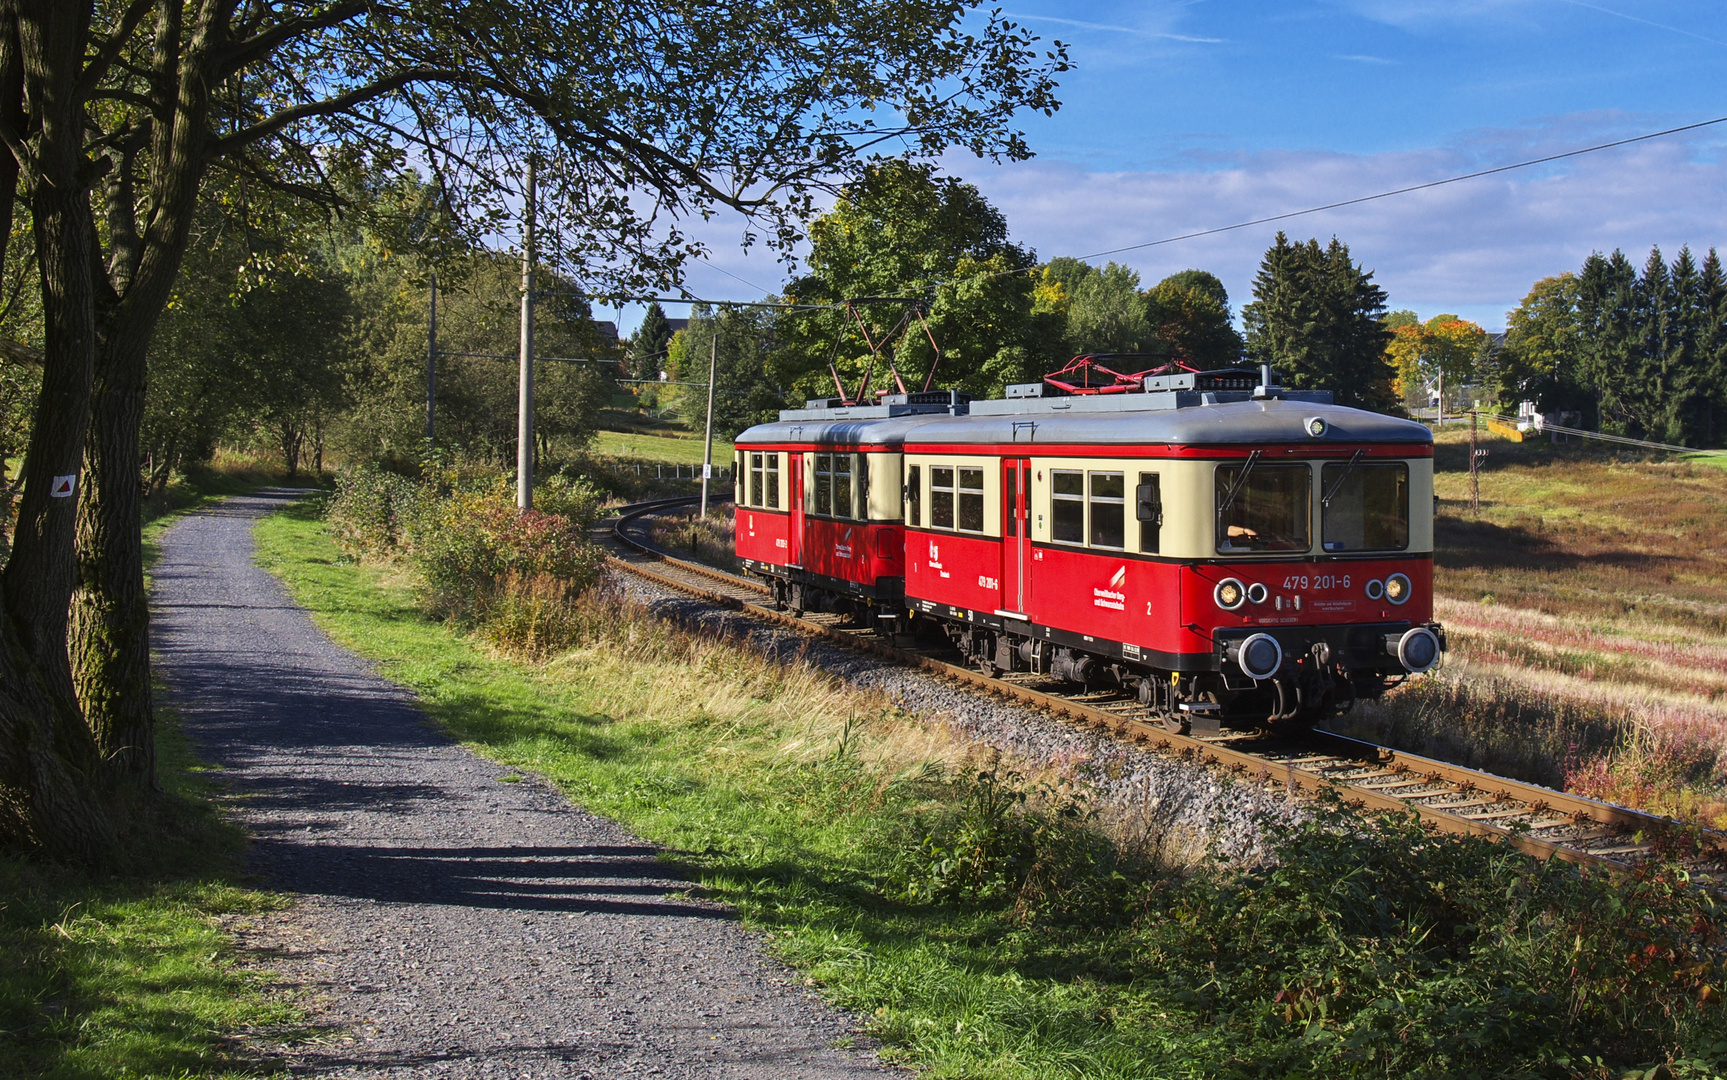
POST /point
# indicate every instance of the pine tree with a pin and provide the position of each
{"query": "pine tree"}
(648, 349)
(1712, 349)
(1316, 317)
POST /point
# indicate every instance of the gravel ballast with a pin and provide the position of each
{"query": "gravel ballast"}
(450, 923)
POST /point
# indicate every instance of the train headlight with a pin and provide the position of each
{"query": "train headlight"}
(1315, 426)
(1258, 656)
(1257, 592)
(1397, 588)
(1229, 594)
(1375, 588)
(1418, 650)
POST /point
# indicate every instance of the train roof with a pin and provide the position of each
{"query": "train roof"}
(888, 433)
(1203, 423)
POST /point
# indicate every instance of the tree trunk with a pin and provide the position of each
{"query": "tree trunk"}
(39, 573)
(110, 621)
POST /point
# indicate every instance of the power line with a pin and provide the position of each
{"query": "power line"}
(1406, 190)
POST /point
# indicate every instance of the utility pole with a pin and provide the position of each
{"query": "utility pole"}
(708, 453)
(431, 358)
(525, 381)
(1474, 476)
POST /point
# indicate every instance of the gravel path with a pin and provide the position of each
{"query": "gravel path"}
(452, 925)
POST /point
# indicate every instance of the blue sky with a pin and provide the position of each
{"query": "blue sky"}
(1184, 116)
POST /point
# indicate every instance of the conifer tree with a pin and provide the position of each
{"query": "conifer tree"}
(648, 349)
(1315, 316)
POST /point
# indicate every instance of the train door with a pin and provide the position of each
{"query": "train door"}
(1015, 534)
(795, 502)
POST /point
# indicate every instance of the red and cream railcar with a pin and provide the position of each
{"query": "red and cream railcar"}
(818, 505)
(1240, 553)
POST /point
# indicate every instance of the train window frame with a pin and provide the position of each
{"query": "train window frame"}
(914, 496)
(844, 491)
(771, 481)
(821, 502)
(1105, 509)
(942, 496)
(969, 499)
(1333, 475)
(1071, 500)
(860, 485)
(1244, 494)
(1148, 511)
(1010, 497)
(757, 497)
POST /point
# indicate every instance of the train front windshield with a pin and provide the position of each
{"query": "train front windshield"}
(1264, 508)
(1366, 506)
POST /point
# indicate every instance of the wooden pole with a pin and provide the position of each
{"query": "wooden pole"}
(1474, 462)
(708, 452)
(525, 380)
(431, 358)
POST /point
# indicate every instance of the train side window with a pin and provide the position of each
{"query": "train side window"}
(756, 495)
(971, 500)
(862, 474)
(1148, 508)
(914, 496)
(1010, 495)
(1108, 510)
(1067, 506)
(824, 483)
(772, 482)
(843, 485)
(940, 497)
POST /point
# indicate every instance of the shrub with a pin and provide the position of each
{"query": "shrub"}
(512, 575)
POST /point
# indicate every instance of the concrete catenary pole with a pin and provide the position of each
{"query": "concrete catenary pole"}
(431, 358)
(708, 452)
(525, 381)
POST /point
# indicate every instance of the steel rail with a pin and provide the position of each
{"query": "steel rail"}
(1397, 781)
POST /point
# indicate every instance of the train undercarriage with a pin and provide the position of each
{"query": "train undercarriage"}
(1300, 684)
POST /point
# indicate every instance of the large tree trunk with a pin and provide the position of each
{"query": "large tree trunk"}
(110, 623)
(52, 794)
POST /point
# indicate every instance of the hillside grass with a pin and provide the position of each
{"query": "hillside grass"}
(988, 924)
(642, 446)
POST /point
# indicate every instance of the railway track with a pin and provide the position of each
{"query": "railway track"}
(1535, 820)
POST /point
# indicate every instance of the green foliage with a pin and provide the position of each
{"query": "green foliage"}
(744, 393)
(1192, 321)
(478, 559)
(902, 231)
(1105, 312)
(1316, 317)
(1542, 342)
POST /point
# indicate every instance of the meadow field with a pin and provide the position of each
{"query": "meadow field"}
(1586, 610)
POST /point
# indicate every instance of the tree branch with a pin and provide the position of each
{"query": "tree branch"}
(109, 50)
(340, 103)
(267, 41)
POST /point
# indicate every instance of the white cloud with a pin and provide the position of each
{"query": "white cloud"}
(1473, 247)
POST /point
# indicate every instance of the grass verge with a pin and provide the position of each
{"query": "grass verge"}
(130, 973)
(987, 927)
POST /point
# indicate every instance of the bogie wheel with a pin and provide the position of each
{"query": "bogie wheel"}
(1177, 722)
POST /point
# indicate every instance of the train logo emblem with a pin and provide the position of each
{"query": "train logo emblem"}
(843, 549)
(1112, 597)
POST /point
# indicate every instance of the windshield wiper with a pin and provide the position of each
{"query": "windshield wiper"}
(1337, 485)
(1240, 482)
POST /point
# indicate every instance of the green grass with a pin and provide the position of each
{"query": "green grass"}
(1375, 950)
(132, 973)
(686, 450)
